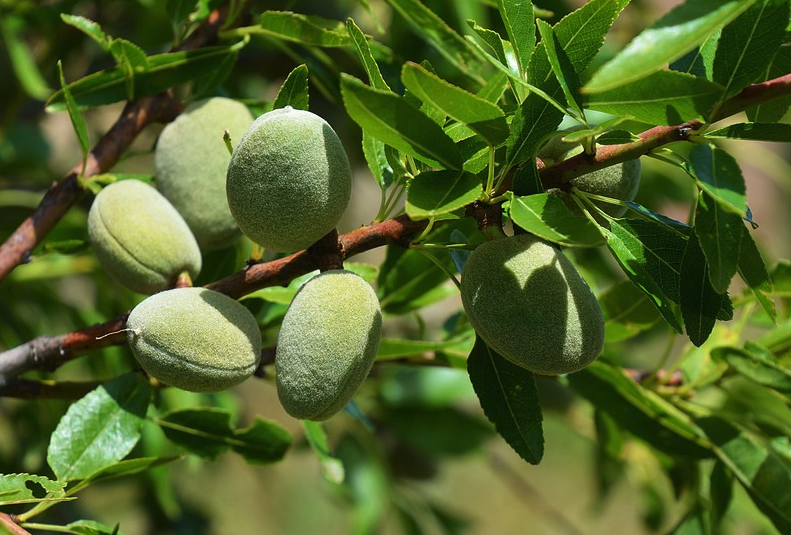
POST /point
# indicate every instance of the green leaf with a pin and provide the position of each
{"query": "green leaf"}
(757, 364)
(375, 78)
(662, 98)
(654, 272)
(207, 432)
(752, 270)
(206, 85)
(640, 411)
(433, 193)
(721, 485)
(331, 467)
(763, 472)
(179, 10)
(21, 56)
(77, 120)
(720, 234)
(294, 91)
(131, 60)
(520, 26)
(700, 61)
(773, 110)
(100, 429)
(481, 116)
(665, 41)
(548, 217)
(700, 302)
(303, 29)
(391, 348)
(164, 71)
(509, 399)
(27, 488)
(88, 27)
(492, 40)
(564, 72)
(91, 527)
(627, 311)
(427, 25)
(389, 118)
(124, 468)
(374, 152)
(755, 131)
(748, 45)
(718, 174)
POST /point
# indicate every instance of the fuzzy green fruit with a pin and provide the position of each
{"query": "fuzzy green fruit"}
(620, 181)
(139, 238)
(195, 339)
(327, 344)
(289, 180)
(191, 162)
(530, 304)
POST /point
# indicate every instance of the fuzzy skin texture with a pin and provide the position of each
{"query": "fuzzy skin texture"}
(195, 339)
(620, 181)
(530, 304)
(139, 238)
(327, 344)
(191, 162)
(289, 180)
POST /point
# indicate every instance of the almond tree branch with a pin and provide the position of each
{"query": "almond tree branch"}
(63, 195)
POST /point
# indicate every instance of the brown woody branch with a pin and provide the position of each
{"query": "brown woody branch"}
(31, 389)
(9, 525)
(63, 195)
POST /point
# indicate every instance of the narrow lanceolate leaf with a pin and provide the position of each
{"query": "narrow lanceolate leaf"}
(22, 60)
(752, 270)
(718, 174)
(207, 432)
(481, 116)
(661, 98)
(77, 120)
(520, 26)
(641, 267)
(749, 43)
(366, 58)
(773, 110)
(389, 118)
(700, 303)
(668, 39)
(100, 429)
(91, 527)
(627, 311)
(757, 365)
(762, 471)
(548, 217)
(374, 152)
(331, 467)
(640, 411)
(164, 71)
(755, 131)
(492, 39)
(720, 234)
(509, 399)
(28, 488)
(699, 61)
(433, 193)
(303, 29)
(88, 27)
(561, 65)
(294, 91)
(438, 34)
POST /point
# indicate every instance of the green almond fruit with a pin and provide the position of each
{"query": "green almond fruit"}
(528, 302)
(139, 238)
(191, 162)
(195, 339)
(327, 344)
(620, 181)
(289, 180)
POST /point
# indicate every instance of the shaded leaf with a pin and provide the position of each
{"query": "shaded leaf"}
(100, 429)
(77, 120)
(509, 399)
(480, 115)
(389, 118)
(564, 72)
(331, 467)
(627, 311)
(88, 27)
(752, 270)
(391, 348)
(520, 26)
(179, 10)
(755, 131)
(700, 303)
(375, 157)
(773, 110)
(757, 364)
(721, 485)
(207, 432)
(700, 61)
(718, 174)
(666, 40)
(720, 234)
(294, 91)
(21, 56)
(548, 217)
(662, 98)
(303, 29)
(433, 193)
(492, 40)
(640, 411)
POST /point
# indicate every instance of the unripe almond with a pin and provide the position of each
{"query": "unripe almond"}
(139, 238)
(530, 304)
(195, 339)
(191, 162)
(327, 344)
(620, 181)
(289, 180)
